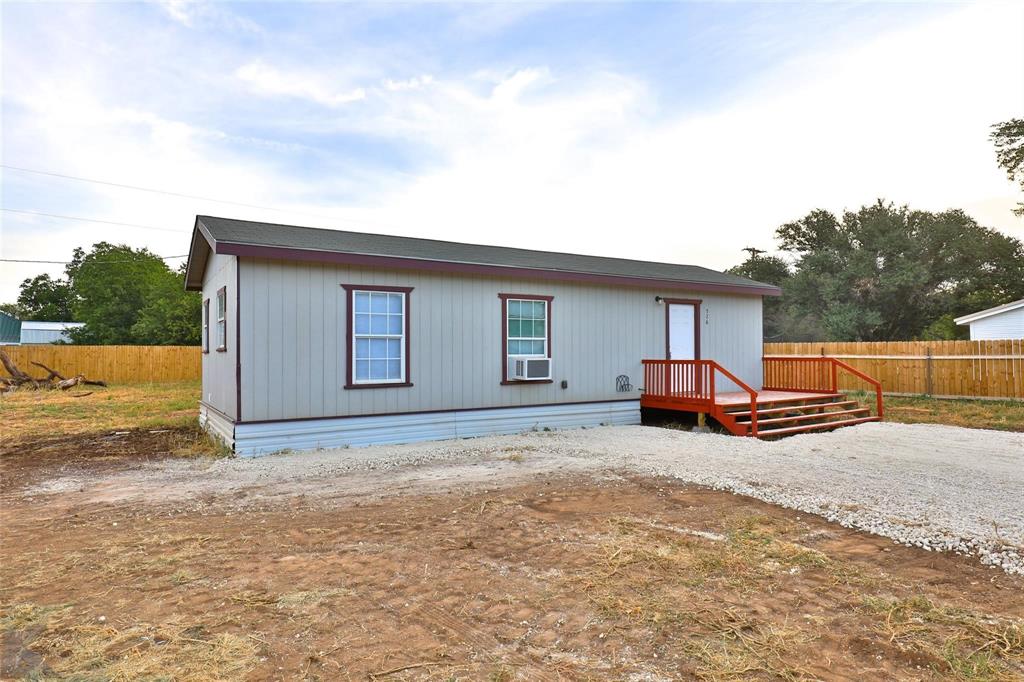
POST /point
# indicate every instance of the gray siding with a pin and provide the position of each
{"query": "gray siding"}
(219, 367)
(294, 350)
(309, 434)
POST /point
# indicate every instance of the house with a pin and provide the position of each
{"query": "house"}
(10, 330)
(1002, 322)
(322, 338)
(39, 331)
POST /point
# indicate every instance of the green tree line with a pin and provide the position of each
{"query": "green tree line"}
(123, 295)
(884, 273)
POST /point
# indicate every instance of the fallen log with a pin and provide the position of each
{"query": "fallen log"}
(53, 374)
(12, 369)
(70, 383)
(53, 379)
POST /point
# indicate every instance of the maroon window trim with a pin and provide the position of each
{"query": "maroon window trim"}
(349, 334)
(695, 302)
(206, 326)
(504, 336)
(222, 292)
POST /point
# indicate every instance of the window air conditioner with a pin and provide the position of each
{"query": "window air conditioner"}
(528, 368)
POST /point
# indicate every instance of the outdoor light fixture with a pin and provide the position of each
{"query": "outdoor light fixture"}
(659, 300)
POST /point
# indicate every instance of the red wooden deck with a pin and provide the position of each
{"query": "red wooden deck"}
(800, 394)
(764, 397)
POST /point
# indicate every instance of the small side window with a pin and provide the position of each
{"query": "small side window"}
(206, 326)
(222, 319)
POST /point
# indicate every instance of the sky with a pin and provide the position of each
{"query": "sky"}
(669, 131)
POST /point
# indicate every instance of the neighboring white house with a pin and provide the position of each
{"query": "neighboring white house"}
(321, 338)
(37, 331)
(1001, 322)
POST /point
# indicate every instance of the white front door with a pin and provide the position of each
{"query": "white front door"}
(681, 333)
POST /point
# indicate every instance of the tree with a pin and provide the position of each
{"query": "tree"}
(171, 315)
(770, 270)
(887, 273)
(111, 284)
(123, 295)
(43, 298)
(1008, 138)
(130, 296)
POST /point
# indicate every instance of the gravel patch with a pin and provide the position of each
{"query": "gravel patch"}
(940, 488)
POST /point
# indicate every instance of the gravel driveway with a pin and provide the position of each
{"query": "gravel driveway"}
(937, 487)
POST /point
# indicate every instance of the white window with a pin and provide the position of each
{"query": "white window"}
(527, 327)
(222, 319)
(378, 348)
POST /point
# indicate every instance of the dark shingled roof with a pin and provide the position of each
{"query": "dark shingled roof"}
(232, 236)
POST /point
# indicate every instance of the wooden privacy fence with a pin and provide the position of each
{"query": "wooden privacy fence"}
(964, 369)
(113, 364)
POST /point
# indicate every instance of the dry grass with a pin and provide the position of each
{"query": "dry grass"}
(666, 584)
(39, 414)
(970, 646)
(661, 577)
(89, 648)
(1002, 415)
(192, 441)
(305, 599)
(121, 562)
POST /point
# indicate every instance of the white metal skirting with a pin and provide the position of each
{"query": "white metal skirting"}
(216, 424)
(261, 439)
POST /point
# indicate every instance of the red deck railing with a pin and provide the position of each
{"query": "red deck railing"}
(812, 374)
(690, 382)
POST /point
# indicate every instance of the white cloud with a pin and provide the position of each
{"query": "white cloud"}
(538, 157)
(267, 80)
(192, 13)
(179, 10)
(414, 83)
(486, 18)
(582, 166)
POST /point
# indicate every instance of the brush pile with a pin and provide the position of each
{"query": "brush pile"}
(53, 379)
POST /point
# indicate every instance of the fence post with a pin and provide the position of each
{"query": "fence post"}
(929, 389)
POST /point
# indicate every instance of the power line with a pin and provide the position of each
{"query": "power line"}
(90, 220)
(93, 262)
(193, 196)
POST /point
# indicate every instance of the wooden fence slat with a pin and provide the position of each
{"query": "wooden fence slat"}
(989, 369)
(113, 364)
(982, 369)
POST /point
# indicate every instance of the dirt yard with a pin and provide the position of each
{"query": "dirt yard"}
(494, 569)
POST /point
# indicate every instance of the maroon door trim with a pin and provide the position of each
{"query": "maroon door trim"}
(349, 288)
(695, 302)
(504, 336)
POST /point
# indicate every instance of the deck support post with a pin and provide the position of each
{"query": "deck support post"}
(702, 419)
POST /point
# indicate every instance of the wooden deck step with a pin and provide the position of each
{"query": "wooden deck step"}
(795, 408)
(737, 408)
(823, 426)
(821, 416)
